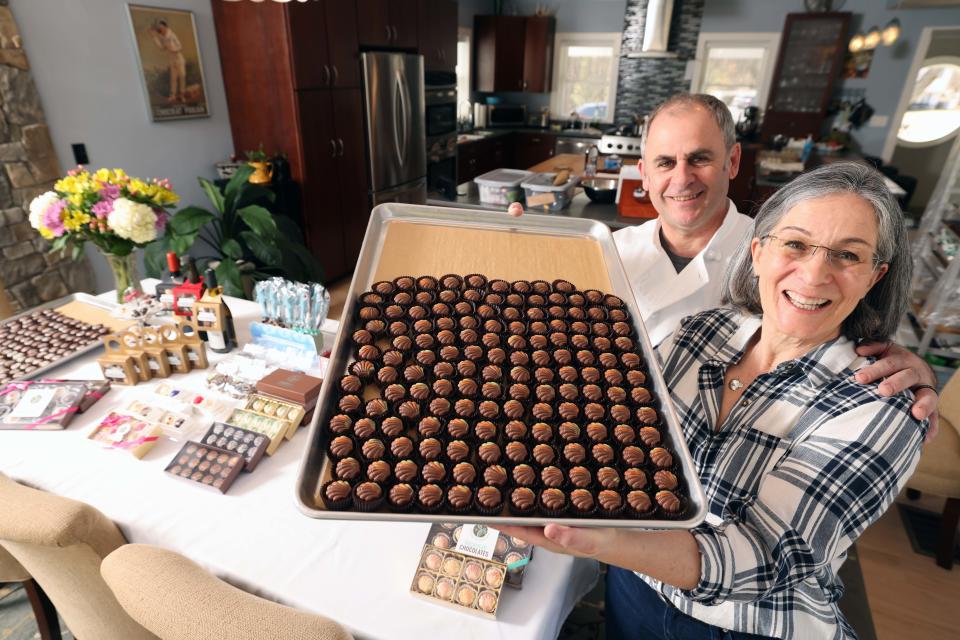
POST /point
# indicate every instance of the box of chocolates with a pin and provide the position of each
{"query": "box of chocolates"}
(126, 433)
(484, 542)
(40, 405)
(207, 465)
(279, 409)
(274, 428)
(250, 444)
(292, 386)
(173, 423)
(465, 583)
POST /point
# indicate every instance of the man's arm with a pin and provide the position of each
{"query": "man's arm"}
(902, 369)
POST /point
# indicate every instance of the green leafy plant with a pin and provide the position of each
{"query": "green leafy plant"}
(257, 155)
(235, 229)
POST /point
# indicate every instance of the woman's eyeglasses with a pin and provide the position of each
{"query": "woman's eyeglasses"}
(798, 250)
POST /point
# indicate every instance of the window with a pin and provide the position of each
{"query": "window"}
(463, 75)
(585, 75)
(736, 67)
(933, 113)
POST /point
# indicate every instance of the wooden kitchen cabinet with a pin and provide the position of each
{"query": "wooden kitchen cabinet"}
(513, 53)
(532, 148)
(387, 23)
(437, 31)
(323, 43)
(808, 65)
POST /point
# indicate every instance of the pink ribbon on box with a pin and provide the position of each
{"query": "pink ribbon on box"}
(16, 386)
(111, 422)
(129, 444)
(50, 418)
(96, 395)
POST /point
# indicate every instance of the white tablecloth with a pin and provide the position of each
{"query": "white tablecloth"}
(256, 538)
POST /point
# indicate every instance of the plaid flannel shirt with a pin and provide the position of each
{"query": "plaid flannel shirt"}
(805, 462)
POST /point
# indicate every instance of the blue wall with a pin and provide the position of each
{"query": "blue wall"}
(888, 73)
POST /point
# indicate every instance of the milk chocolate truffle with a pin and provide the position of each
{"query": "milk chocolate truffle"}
(491, 390)
(544, 454)
(633, 456)
(661, 458)
(369, 313)
(597, 431)
(458, 450)
(495, 475)
(373, 449)
(489, 452)
(613, 377)
(650, 436)
(608, 477)
(430, 448)
(348, 469)
(542, 411)
(568, 410)
(442, 388)
(401, 496)
(553, 500)
(467, 369)
(489, 409)
(409, 410)
(665, 480)
(519, 392)
(341, 446)
(592, 392)
(459, 497)
(440, 407)
(516, 451)
(458, 428)
(336, 492)
(636, 378)
(524, 475)
(513, 409)
(579, 340)
(350, 383)
(538, 341)
(340, 423)
(640, 395)
(401, 447)
(542, 432)
(545, 393)
(387, 375)
(378, 471)
(624, 433)
(485, 430)
(620, 412)
(569, 374)
(616, 394)
(413, 373)
(464, 407)
(594, 411)
(430, 496)
(464, 473)
(350, 403)
(610, 502)
(376, 327)
(467, 387)
(394, 392)
(551, 476)
(630, 360)
(569, 431)
(522, 500)
(580, 476)
(635, 478)
(489, 499)
(569, 392)
(515, 430)
(668, 501)
(496, 356)
(426, 357)
(429, 426)
(367, 495)
(406, 470)
(398, 328)
(490, 340)
(423, 341)
(582, 501)
(519, 358)
(467, 321)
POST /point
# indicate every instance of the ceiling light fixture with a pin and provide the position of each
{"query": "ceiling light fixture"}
(872, 39)
(890, 32)
(856, 43)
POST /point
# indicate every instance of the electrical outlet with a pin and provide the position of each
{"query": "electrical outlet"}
(80, 153)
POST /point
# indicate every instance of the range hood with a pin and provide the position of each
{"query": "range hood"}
(656, 31)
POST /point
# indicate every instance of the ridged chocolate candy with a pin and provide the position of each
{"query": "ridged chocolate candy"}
(393, 358)
(633, 456)
(620, 412)
(582, 500)
(401, 494)
(569, 431)
(624, 433)
(668, 501)
(580, 476)
(592, 392)
(341, 446)
(350, 383)
(440, 407)
(516, 451)
(458, 428)
(467, 369)
(428, 426)
(338, 490)
(395, 392)
(616, 394)
(348, 469)
(464, 473)
(459, 496)
(544, 454)
(661, 457)
(553, 499)
(524, 475)
(551, 476)
(406, 470)
(433, 471)
(340, 423)
(640, 395)
(489, 496)
(635, 478)
(489, 452)
(590, 375)
(442, 388)
(409, 410)
(467, 387)
(665, 480)
(413, 373)
(596, 431)
(574, 452)
(458, 450)
(401, 447)
(594, 411)
(464, 407)
(522, 498)
(513, 409)
(495, 474)
(515, 430)
(485, 430)
(569, 374)
(369, 491)
(430, 449)
(608, 477)
(423, 341)
(613, 376)
(489, 409)
(519, 392)
(430, 495)
(496, 356)
(387, 375)
(378, 471)
(542, 411)
(349, 404)
(373, 449)
(609, 500)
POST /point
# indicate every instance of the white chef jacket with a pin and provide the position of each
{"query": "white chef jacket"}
(665, 296)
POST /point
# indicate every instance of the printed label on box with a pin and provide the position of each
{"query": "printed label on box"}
(33, 403)
(206, 316)
(477, 540)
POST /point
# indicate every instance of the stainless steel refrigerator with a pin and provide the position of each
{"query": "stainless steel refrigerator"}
(394, 117)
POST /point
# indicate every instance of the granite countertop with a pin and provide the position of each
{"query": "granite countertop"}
(500, 131)
(580, 207)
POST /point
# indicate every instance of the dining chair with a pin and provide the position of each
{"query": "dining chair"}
(939, 470)
(45, 613)
(61, 543)
(176, 599)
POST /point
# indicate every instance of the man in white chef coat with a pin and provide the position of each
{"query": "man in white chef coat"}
(676, 262)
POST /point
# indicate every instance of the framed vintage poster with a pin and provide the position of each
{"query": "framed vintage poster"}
(168, 56)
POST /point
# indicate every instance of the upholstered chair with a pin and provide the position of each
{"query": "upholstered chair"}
(61, 543)
(939, 470)
(43, 610)
(176, 599)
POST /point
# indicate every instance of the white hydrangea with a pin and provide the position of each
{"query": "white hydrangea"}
(38, 205)
(133, 221)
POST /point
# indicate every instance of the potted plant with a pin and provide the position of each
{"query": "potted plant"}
(241, 240)
(262, 167)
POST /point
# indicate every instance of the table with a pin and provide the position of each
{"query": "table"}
(255, 537)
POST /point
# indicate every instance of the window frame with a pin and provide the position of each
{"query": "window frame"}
(768, 40)
(909, 144)
(584, 39)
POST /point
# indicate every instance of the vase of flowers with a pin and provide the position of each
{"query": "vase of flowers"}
(116, 212)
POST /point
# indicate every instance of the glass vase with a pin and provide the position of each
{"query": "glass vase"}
(126, 275)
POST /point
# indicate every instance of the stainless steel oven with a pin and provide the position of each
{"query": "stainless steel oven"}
(441, 122)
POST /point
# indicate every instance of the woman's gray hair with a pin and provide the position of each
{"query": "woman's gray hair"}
(876, 317)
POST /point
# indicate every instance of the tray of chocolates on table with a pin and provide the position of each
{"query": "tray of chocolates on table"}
(495, 369)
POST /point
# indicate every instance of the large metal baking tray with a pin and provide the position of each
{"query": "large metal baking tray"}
(85, 298)
(314, 466)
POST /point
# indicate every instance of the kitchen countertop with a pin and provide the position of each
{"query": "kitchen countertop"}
(501, 131)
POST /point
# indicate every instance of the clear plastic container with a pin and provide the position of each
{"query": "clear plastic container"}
(501, 186)
(543, 195)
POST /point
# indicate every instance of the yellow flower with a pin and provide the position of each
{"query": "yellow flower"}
(76, 199)
(74, 220)
(165, 197)
(45, 233)
(136, 185)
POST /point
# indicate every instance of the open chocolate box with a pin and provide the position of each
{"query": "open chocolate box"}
(579, 254)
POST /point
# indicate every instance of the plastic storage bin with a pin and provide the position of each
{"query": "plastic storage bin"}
(501, 186)
(543, 195)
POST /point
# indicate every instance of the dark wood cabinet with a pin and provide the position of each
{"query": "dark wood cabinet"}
(437, 31)
(532, 148)
(387, 23)
(811, 56)
(323, 44)
(513, 53)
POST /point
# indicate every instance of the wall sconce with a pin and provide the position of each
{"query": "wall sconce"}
(856, 43)
(872, 39)
(890, 32)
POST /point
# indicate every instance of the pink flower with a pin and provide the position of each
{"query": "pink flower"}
(110, 192)
(53, 219)
(102, 209)
(162, 217)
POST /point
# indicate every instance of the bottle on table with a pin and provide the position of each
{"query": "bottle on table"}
(172, 277)
(189, 291)
(592, 158)
(212, 317)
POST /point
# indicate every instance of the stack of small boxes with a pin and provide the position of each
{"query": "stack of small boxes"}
(152, 353)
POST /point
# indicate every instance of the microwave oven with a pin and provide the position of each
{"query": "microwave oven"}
(506, 115)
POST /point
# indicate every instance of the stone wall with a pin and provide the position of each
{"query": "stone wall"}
(30, 274)
(643, 83)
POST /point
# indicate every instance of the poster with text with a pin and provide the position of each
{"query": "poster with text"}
(168, 57)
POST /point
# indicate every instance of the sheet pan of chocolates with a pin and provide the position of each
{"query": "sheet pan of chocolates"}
(36, 341)
(470, 397)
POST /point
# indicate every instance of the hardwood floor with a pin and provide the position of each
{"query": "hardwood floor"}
(910, 596)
